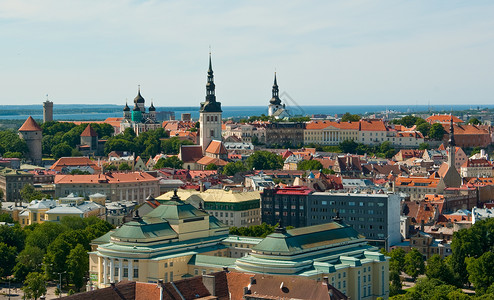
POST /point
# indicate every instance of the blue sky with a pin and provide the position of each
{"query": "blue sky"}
(324, 52)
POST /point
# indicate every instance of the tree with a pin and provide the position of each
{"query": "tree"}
(424, 128)
(34, 285)
(43, 234)
(108, 167)
(78, 265)
(309, 165)
(474, 121)
(424, 146)
(436, 132)
(11, 142)
(481, 271)
(395, 286)
(13, 155)
(437, 268)
(29, 193)
(414, 263)
(124, 167)
(169, 162)
(264, 160)
(397, 261)
(173, 145)
(28, 260)
(7, 259)
(211, 167)
(61, 150)
(348, 146)
(233, 168)
(13, 236)
(348, 117)
(434, 289)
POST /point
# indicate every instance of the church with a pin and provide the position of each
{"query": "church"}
(275, 108)
(137, 118)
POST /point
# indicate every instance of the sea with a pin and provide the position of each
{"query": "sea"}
(103, 111)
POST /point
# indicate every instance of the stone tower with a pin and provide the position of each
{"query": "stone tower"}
(210, 113)
(89, 137)
(47, 111)
(275, 102)
(31, 133)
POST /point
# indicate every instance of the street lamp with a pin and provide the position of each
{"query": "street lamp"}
(60, 283)
(10, 279)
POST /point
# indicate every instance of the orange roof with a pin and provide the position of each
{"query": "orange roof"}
(89, 131)
(443, 119)
(216, 147)
(466, 129)
(372, 125)
(110, 178)
(480, 162)
(413, 134)
(206, 160)
(30, 125)
(416, 181)
(74, 162)
(190, 153)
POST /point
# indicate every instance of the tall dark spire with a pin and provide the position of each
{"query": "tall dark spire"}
(275, 100)
(451, 141)
(210, 105)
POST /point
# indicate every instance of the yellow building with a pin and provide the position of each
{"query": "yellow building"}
(232, 208)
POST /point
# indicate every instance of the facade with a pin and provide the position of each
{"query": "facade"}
(231, 208)
(138, 119)
(32, 134)
(476, 168)
(210, 113)
(376, 216)
(351, 265)
(285, 134)
(11, 183)
(426, 245)
(47, 111)
(176, 241)
(134, 186)
(65, 165)
(90, 144)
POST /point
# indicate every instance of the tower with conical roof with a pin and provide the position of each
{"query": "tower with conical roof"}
(451, 178)
(275, 108)
(139, 100)
(32, 134)
(210, 113)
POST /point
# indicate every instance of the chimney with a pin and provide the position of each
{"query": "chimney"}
(112, 284)
(422, 223)
(326, 280)
(161, 285)
(226, 269)
(246, 291)
(209, 282)
(252, 280)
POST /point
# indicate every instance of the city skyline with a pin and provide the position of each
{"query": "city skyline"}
(352, 53)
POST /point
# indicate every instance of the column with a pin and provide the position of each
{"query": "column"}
(131, 269)
(105, 271)
(112, 270)
(120, 270)
(121, 195)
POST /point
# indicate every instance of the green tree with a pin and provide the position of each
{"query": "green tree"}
(43, 234)
(124, 167)
(13, 155)
(395, 283)
(414, 263)
(433, 289)
(12, 236)
(34, 285)
(211, 167)
(118, 144)
(173, 145)
(61, 150)
(29, 193)
(108, 167)
(169, 162)
(7, 259)
(348, 117)
(437, 268)
(424, 146)
(348, 146)
(233, 168)
(11, 142)
(78, 265)
(397, 261)
(481, 271)
(28, 260)
(309, 165)
(264, 160)
(59, 249)
(437, 132)
(424, 128)
(474, 121)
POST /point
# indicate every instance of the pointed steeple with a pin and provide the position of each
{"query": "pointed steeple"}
(210, 105)
(152, 108)
(126, 108)
(275, 99)
(451, 141)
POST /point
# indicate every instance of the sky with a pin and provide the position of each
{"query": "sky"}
(324, 52)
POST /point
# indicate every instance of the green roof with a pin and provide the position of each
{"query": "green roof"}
(174, 210)
(141, 230)
(207, 260)
(105, 238)
(305, 238)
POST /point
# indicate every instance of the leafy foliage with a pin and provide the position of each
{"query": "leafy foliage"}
(35, 285)
(7, 259)
(78, 265)
(414, 263)
(11, 142)
(124, 167)
(262, 230)
(233, 168)
(309, 165)
(264, 160)
(169, 162)
(437, 132)
(29, 193)
(348, 117)
(409, 121)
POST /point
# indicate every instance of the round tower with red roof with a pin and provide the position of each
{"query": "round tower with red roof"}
(31, 133)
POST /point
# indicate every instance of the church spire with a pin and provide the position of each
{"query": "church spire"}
(210, 87)
(451, 133)
(275, 99)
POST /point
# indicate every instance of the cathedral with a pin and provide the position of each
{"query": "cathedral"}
(275, 108)
(137, 118)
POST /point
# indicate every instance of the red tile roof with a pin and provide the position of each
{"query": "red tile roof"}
(190, 153)
(30, 125)
(443, 119)
(109, 178)
(74, 162)
(372, 125)
(206, 160)
(216, 147)
(89, 131)
(416, 181)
